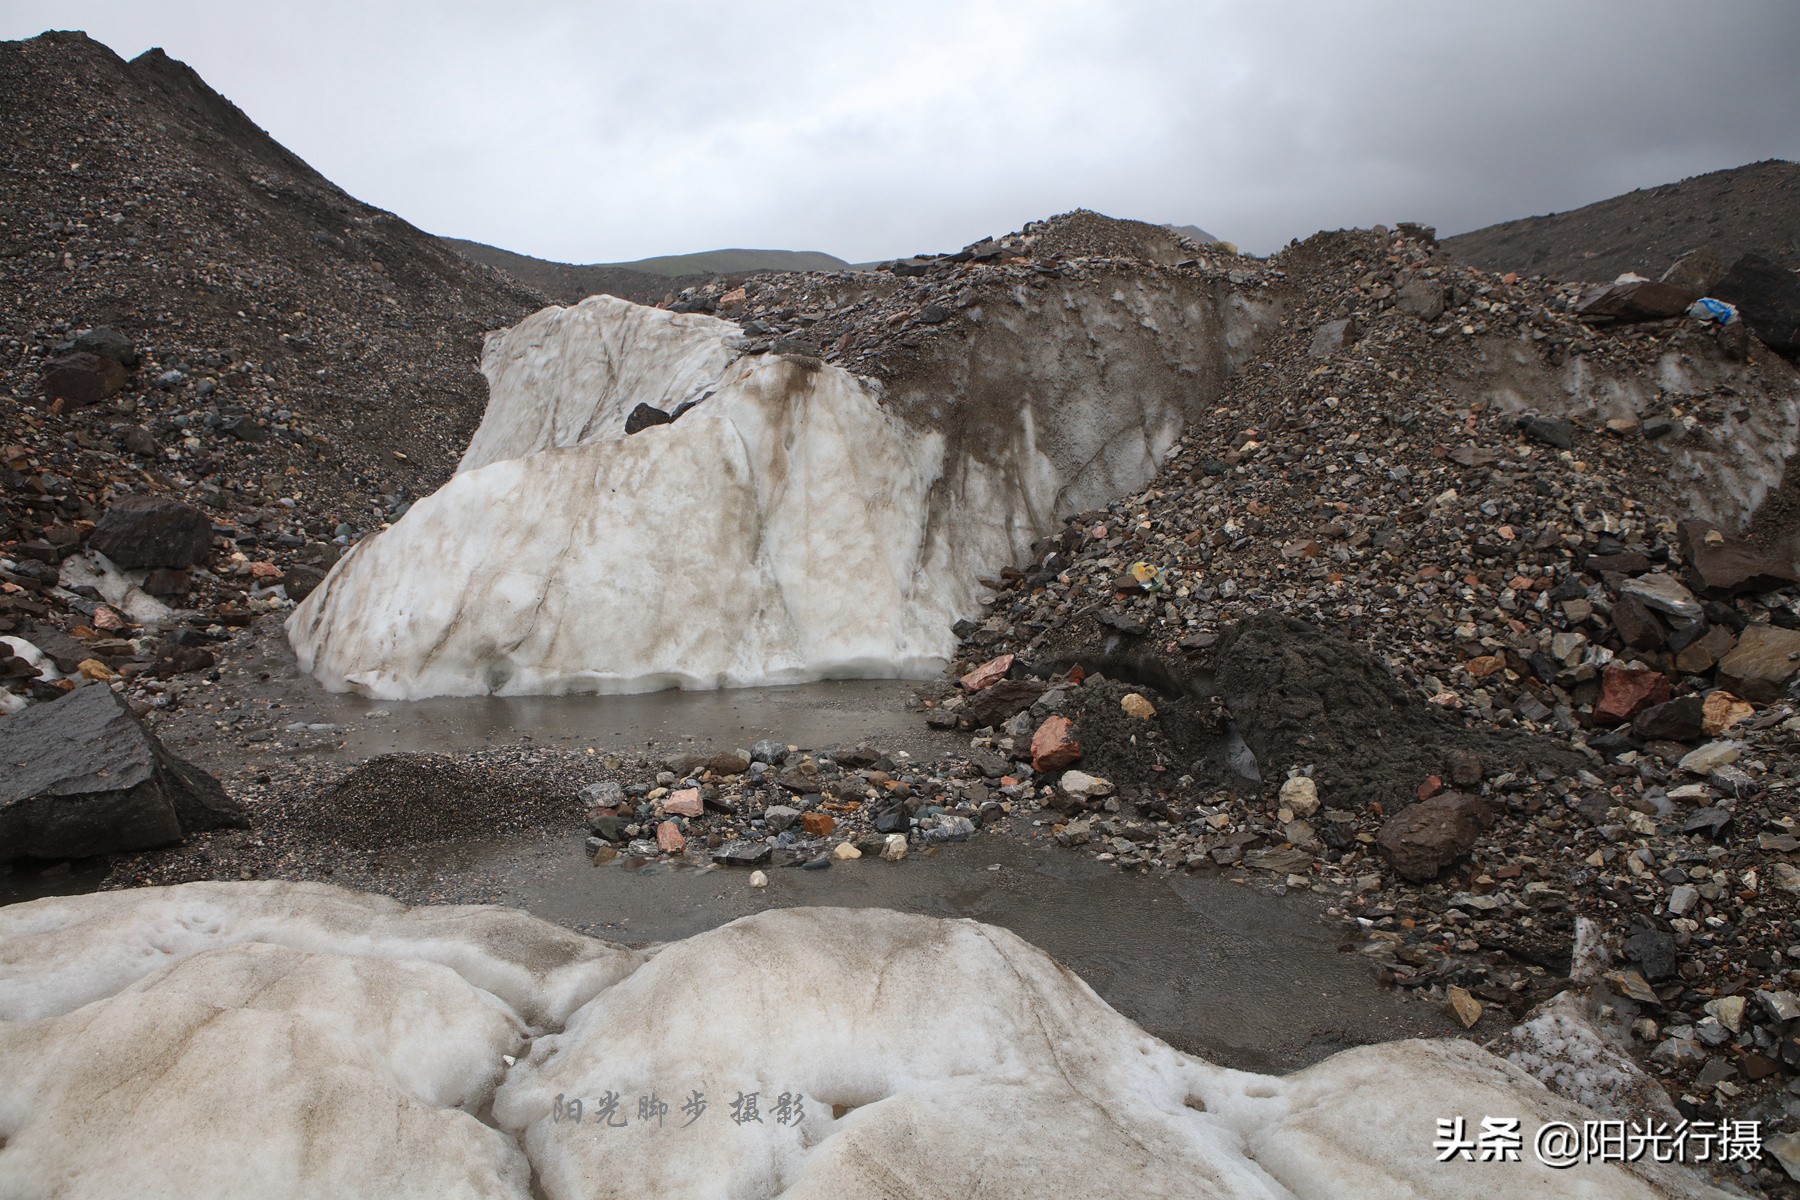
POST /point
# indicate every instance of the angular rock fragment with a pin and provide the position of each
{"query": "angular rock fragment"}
(82, 776)
(1761, 664)
(153, 531)
(1423, 839)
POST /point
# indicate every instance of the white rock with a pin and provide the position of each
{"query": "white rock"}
(758, 879)
(844, 851)
(894, 847)
(1300, 795)
(1082, 786)
(1703, 760)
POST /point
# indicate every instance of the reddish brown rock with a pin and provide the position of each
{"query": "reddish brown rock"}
(684, 803)
(82, 378)
(1420, 841)
(1053, 746)
(1721, 564)
(988, 673)
(817, 824)
(1627, 691)
(669, 839)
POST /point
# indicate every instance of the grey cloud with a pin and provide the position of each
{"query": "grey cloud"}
(591, 132)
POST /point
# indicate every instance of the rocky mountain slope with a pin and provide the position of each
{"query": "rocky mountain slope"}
(289, 342)
(646, 281)
(1753, 209)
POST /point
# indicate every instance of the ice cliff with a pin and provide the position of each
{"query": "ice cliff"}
(795, 522)
(288, 1039)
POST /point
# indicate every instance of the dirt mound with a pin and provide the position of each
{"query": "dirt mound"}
(1748, 209)
(1303, 696)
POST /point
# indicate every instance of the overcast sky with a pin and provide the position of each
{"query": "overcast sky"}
(607, 131)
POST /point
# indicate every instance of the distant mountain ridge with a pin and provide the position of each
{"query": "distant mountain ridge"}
(647, 280)
(1749, 209)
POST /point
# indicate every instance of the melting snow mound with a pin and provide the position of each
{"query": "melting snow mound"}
(792, 524)
(282, 1039)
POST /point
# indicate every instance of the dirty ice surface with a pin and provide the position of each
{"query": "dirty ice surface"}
(283, 1039)
(788, 526)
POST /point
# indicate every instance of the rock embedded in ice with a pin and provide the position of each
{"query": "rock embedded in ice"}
(294, 1039)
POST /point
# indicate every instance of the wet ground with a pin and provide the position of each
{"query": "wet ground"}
(1242, 977)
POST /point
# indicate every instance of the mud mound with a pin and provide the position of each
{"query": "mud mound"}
(1302, 695)
(1754, 208)
(409, 799)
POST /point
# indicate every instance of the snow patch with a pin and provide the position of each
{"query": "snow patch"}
(939, 1058)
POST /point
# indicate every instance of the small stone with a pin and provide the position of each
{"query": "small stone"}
(1053, 746)
(742, 854)
(1721, 711)
(1682, 900)
(770, 752)
(987, 674)
(845, 851)
(758, 879)
(683, 803)
(1680, 1052)
(780, 817)
(1627, 691)
(817, 824)
(1464, 1007)
(1664, 593)
(1300, 796)
(1710, 757)
(1729, 1010)
(1780, 1005)
(1682, 719)
(1135, 705)
(1079, 785)
(1784, 876)
(894, 848)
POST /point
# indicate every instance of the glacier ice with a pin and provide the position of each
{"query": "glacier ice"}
(284, 1039)
(797, 522)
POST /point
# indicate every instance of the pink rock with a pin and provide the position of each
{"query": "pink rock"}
(988, 673)
(1053, 746)
(1627, 691)
(683, 803)
(669, 839)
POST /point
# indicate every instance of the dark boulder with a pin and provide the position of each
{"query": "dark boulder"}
(1420, 841)
(81, 378)
(1721, 564)
(83, 776)
(993, 706)
(1639, 301)
(153, 531)
(1767, 296)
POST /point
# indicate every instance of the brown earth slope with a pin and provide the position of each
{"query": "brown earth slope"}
(1748, 209)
